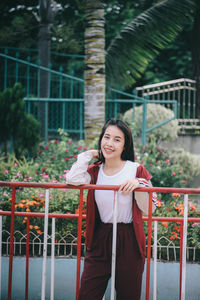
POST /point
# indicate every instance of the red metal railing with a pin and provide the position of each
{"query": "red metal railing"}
(183, 221)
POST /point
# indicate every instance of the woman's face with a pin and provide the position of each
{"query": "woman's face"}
(112, 143)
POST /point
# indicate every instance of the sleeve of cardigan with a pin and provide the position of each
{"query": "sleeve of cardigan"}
(78, 174)
(142, 198)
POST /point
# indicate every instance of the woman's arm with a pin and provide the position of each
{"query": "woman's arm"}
(78, 174)
(142, 198)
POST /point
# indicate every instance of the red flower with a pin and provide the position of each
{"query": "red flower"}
(46, 147)
(165, 224)
(174, 173)
(79, 148)
(174, 235)
(176, 195)
(40, 151)
(180, 171)
(69, 143)
(150, 164)
(67, 158)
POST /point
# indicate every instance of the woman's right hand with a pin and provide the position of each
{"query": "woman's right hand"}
(95, 153)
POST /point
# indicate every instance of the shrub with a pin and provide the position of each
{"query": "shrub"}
(156, 114)
(189, 162)
(15, 124)
(165, 171)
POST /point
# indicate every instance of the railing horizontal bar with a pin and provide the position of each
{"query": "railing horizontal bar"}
(55, 99)
(99, 187)
(75, 216)
(165, 83)
(40, 215)
(41, 68)
(142, 101)
(167, 90)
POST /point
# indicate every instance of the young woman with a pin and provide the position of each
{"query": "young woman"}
(115, 166)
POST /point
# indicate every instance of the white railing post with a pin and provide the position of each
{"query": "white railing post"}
(155, 261)
(44, 267)
(184, 247)
(114, 241)
(52, 257)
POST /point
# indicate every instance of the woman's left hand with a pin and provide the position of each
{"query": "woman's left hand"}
(129, 186)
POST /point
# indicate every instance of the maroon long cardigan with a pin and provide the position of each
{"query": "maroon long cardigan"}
(93, 218)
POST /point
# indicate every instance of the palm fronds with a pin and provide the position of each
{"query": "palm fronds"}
(141, 40)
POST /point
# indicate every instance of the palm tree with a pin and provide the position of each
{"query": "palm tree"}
(141, 40)
(94, 69)
(129, 53)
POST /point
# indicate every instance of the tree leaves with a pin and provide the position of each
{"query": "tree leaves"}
(141, 40)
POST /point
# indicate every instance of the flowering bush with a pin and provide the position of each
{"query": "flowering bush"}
(52, 163)
(174, 207)
(165, 171)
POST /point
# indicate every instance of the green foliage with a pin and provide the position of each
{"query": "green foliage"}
(16, 124)
(190, 162)
(50, 165)
(145, 37)
(156, 114)
(165, 171)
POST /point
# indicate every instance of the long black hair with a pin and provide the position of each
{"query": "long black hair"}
(128, 152)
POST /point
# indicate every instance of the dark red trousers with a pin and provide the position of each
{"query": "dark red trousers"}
(97, 265)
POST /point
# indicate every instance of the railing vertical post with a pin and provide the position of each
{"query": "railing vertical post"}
(46, 121)
(0, 250)
(181, 258)
(28, 78)
(5, 70)
(45, 245)
(78, 267)
(12, 223)
(114, 242)
(155, 261)
(52, 257)
(184, 246)
(38, 79)
(81, 119)
(149, 246)
(144, 122)
(16, 68)
(27, 256)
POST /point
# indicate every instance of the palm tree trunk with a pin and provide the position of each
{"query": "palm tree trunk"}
(94, 111)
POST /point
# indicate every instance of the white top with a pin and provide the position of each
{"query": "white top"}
(78, 175)
(105, 198)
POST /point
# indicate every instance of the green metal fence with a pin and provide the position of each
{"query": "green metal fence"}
(65, 104)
